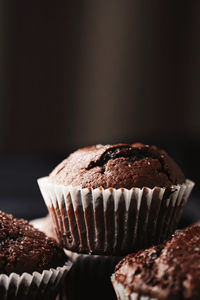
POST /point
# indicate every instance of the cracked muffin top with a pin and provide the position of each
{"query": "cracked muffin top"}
(168, 271)
(118, 166)
(26, 249)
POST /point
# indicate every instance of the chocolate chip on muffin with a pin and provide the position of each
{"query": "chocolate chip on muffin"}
(165, 272)
(118, 166)
(26, 249)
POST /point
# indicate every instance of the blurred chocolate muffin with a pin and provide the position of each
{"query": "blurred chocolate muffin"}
(118, 166)
(26, 249)
(115, 199)
(165, 272)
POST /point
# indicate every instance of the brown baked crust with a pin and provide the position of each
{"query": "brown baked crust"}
(167, 271)
(26, 249)
(118, 166)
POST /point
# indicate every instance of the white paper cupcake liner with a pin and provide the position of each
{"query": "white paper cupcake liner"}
(34, 286)
(89, 271)
(124, 294)
(113, 221)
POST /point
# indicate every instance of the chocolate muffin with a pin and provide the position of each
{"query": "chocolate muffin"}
(32, 265)
(115, 199)
(118, 166)
(26, 249)
(165, 272)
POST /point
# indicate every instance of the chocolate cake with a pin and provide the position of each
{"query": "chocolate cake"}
(118, 166)
(165, 272)
(25, 249)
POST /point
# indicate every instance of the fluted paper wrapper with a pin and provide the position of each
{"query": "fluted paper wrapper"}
(124, 294)
(34, 286)
(113, 221)
(89, 271)
(96, 263)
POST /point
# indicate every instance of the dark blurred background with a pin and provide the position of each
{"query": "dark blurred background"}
(75, 73)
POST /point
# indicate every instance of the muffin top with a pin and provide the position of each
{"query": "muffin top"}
(25, 249)
(118, 166)
(167, 271)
